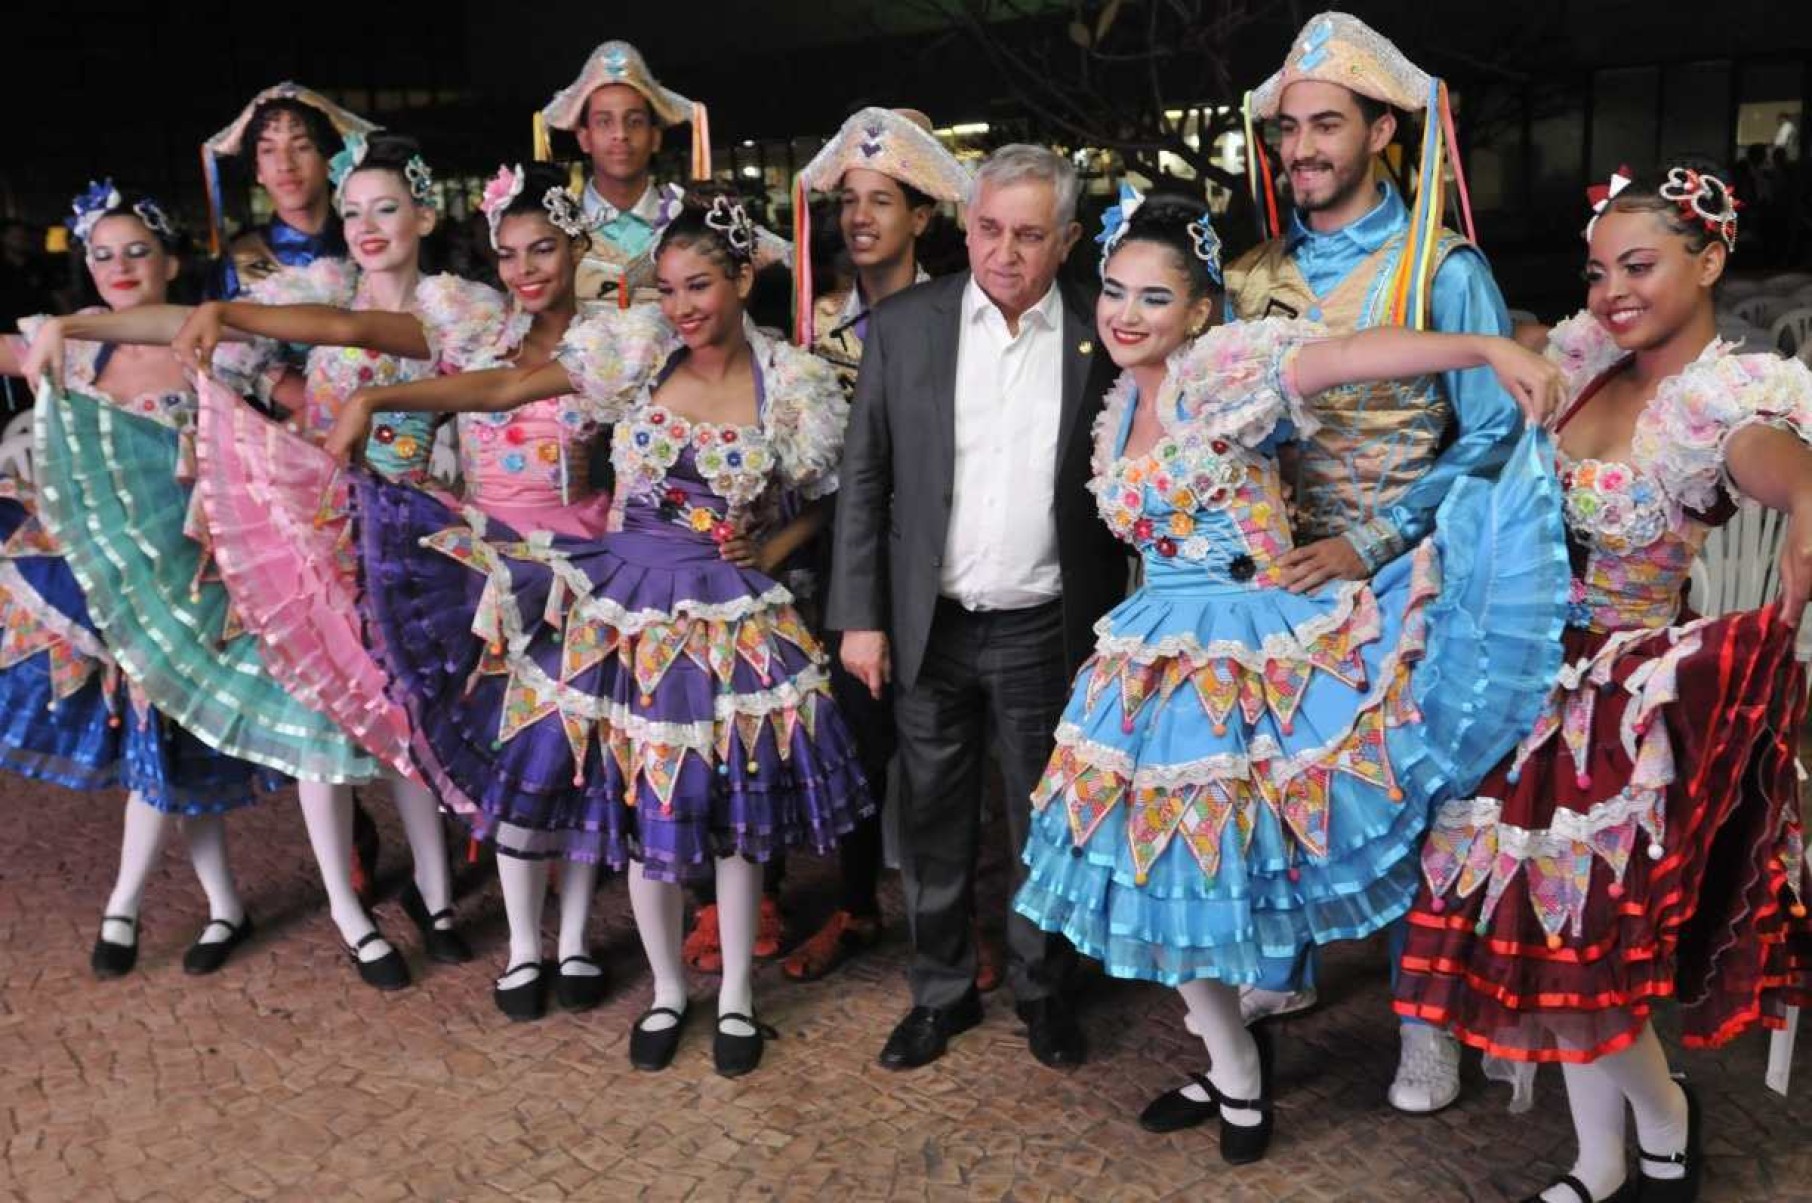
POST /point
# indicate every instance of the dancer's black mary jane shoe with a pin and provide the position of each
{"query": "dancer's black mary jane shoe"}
(1173, 1111)
(526, 1001)
(651, 1049)
(1627, 1193)
(110, 960)
(1244, 1145)
(443, 944)
(205, 958)
(735, 1054)
(579, 991)
(388, 972)
(1684, 1189)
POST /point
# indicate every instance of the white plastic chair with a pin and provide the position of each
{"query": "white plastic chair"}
(443, 458)
(1791, 330)
(1733, 329)
(1787, 283)
(16, 447)
(1760, 310)
(1736, 288)
(1739, 569)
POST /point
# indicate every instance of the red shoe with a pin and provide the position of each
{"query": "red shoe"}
(841, 937)
(704, 949)
(769, 929)
(988, 973)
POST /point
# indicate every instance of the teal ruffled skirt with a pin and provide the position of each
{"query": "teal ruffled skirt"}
(111, 496)
(1242, 771)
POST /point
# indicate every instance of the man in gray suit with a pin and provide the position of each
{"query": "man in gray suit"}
(970, 567)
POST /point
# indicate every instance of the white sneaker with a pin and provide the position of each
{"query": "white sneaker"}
(1256, 1003)
(1428, 1071)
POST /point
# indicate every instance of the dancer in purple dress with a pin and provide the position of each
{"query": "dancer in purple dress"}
(652, 695)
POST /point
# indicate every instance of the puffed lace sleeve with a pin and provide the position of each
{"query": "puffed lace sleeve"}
(460, 319)
(80, 357)
(1237, 381)
(1583, 351)
(323, 282)
(1685, 432)
(805, 418)
(611, 354)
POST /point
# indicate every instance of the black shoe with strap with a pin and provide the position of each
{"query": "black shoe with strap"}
(1173, 1111)
(388, 972)
(579, 991)
(736, 1054)
(442, 944)
(1684, 1189)
(525, 1001)
(205, 957)
(651, 1049)
(1242, 1145)
(110, 960)
(921, 1037)
(1626, 1193)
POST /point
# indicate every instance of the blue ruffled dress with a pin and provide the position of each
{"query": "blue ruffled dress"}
(1243, 771)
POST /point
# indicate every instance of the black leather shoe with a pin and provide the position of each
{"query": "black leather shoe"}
(651, 1050)
(921, 1037)
(443, 944)
(203, 959)
(388, 972)
(110, 960)
(527, 1001)
(1626, 1193)
(736, 1055)
(1675, 1190)
(1244, 1145)
(1174, 1111)
(1052, 1032)
(579, 991)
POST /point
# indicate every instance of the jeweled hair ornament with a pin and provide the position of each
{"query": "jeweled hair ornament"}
(563, 211)
(1704, 198)
(731, 220)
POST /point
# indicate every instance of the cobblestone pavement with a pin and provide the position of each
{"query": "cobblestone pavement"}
(283, 1077)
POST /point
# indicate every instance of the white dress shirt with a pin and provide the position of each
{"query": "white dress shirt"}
(1000, 552)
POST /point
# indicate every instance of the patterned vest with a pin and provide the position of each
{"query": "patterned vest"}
(1375, 439)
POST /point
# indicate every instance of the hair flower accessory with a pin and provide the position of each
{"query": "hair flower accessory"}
(1706, 199)
(731, 220)
(499, 192)
(1601, 196)
(91, 205)
(353, 148)
(1114, 222)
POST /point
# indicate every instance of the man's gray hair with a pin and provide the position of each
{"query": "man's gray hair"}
(1019, 161)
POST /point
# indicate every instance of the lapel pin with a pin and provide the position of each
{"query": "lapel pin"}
(1085, 347)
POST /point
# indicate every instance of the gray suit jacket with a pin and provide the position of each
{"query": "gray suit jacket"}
(893, 503)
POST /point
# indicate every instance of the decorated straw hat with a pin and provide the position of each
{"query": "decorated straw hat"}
(895, 142)
(617, 62)
(1339, 48)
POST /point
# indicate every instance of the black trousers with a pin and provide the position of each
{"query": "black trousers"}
(989, 679)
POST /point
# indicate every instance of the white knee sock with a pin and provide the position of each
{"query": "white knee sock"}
(577, 882)
(327, 813)
(738, 915)
(206, 837)
(420, 813)
(1598, 1125)
(141, 835)
(524, 894)
(659, 910)
(1232, 1052)
(1656, 1100)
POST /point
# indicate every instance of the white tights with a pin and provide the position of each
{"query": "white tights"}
(525, 896)
(1598, 1091)
(327, 813)
(142, 836)
(1232, 1053)
(659, 919)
